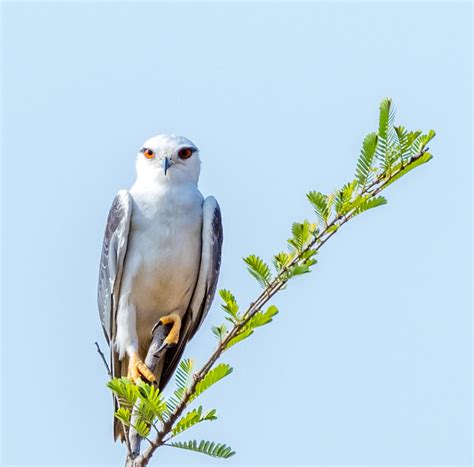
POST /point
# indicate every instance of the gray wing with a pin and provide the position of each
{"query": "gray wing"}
(212, 236)
(112, 260)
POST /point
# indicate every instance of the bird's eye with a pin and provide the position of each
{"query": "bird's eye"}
(185, 153)
(148, 153)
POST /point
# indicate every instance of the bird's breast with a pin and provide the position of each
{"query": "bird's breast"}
(166, 242)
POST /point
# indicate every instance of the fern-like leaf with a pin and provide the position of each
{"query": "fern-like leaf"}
(259, 269)
(192, 418)
(321, 204)
(427, 138)
(281, 260)
(212, 377)
(423, 159)
(386, 151)
(302, 235)
(183, 373)
(152, 404)
(343, 198)
(262, 317)
(219, 331)
(370, 203)
(230, 305)
(142, 428)
(182, 378)
(125, 390)
(240, 336)
(205, 447)
(364, 171)
(123, 415)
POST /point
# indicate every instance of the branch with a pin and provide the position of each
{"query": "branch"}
(102, 356)
(370, 191)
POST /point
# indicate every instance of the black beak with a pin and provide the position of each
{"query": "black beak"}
(166, 164)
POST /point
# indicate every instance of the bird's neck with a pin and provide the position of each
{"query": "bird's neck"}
(150, 191)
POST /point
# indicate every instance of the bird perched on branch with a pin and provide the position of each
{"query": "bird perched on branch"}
(160, 259)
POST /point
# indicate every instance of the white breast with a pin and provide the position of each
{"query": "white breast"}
(163, 253)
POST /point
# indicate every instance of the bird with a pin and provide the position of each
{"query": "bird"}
(160, 260)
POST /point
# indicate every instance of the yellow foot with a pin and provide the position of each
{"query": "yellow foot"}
(137, 369)
(173, 336)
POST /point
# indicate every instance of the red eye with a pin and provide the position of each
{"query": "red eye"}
(148, 153)
(185, 153)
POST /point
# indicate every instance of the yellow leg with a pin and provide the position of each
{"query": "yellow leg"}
(173, 336)
(137, 369)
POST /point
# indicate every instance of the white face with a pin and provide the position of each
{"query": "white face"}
(168, 158)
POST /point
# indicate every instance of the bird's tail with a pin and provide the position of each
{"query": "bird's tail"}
(122, 368)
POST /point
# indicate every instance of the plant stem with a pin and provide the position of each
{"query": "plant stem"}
(371, 190)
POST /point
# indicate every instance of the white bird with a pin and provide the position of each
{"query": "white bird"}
(160, 259)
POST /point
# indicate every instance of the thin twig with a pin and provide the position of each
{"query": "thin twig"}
(125, 430)
(102, 356)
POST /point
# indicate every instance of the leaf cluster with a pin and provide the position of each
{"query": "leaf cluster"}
(142, 406)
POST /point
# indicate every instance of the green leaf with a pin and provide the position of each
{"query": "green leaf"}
(187, 421)
(262, 317)
(125, 390)
(220, 331)
(182, 378)
(123, 415)
(302, 235)
(205, 447)
(300, 269)
(370, 203)
(344, 198)
(183, 373)
(212, 377)
(386, 150)
(281, 260)
(230, 305)
(259, 269)
(366, 159)
(142, 428)
(258, 319)
(152, 404)
(192, 418)
(386, 118)
(210, 415)
(427, 138)
(405, 141)
(332, 229)
(144, 413)
(240, 336)
(423, 159)
(321, 205)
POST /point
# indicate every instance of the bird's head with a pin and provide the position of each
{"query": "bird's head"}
(168, 158)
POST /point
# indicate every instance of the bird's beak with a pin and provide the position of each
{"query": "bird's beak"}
(166, 164)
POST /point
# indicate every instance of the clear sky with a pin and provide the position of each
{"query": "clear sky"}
(369, 361)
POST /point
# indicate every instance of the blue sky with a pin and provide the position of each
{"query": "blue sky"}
(369, 361)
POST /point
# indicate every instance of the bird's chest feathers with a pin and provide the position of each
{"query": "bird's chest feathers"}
(166, 239)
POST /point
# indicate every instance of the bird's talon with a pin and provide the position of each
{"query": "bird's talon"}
(137, 369)
(173, 336)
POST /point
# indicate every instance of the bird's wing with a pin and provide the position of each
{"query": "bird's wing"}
(112, 260)
(206, 284)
